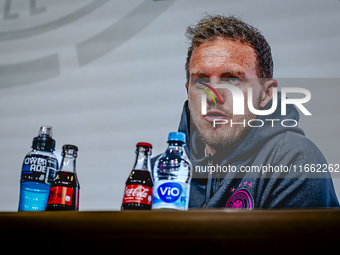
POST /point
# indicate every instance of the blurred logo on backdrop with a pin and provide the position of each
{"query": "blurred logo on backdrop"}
(22, 20)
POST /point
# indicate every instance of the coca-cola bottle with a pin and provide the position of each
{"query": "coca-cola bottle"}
(64, 192)
(138, 187)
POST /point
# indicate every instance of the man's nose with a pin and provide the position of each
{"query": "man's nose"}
(216, 95)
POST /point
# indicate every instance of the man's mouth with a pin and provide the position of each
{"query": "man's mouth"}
(214, 114)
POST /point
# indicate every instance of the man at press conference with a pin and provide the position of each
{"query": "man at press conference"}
(225, 50)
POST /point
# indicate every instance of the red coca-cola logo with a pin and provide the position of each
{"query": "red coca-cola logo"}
(139, 191)
(138, 194)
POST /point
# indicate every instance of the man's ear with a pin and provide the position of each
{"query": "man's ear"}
(267, 93)
(187, 88)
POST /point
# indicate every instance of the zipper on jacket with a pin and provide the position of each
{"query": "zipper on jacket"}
(208, 189)
(218, 180)
(209, 185)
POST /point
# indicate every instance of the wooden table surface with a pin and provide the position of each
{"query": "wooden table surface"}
(175, 232)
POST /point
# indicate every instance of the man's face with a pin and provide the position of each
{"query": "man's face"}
(222, 61)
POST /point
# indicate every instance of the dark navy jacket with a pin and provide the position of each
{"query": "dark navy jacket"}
(284, 148)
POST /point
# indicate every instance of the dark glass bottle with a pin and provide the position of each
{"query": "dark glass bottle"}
(64, 192)
(138, 187)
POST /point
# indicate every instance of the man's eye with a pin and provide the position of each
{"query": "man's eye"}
(231, 79)
(202, 80)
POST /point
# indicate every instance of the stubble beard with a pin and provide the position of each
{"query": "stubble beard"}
(230, 138)
(223, 137)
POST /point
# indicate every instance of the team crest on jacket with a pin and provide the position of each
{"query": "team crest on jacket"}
(241, 199)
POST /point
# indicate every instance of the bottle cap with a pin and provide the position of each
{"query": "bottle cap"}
(70, 150)
(44, 139)
(144, 145)
(45, 131)
(177, 136)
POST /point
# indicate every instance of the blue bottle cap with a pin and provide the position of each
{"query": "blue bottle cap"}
(177, 136)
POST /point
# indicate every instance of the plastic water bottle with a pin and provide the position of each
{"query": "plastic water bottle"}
(172, 176)
(39, 169)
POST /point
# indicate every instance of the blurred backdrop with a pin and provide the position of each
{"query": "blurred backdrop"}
(108, 74)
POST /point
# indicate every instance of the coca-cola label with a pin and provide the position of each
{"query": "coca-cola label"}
(60, 195)
(137, 194)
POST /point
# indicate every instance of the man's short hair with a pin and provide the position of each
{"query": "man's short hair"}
(211, 27)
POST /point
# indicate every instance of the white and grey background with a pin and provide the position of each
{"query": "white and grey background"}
(108, 74)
